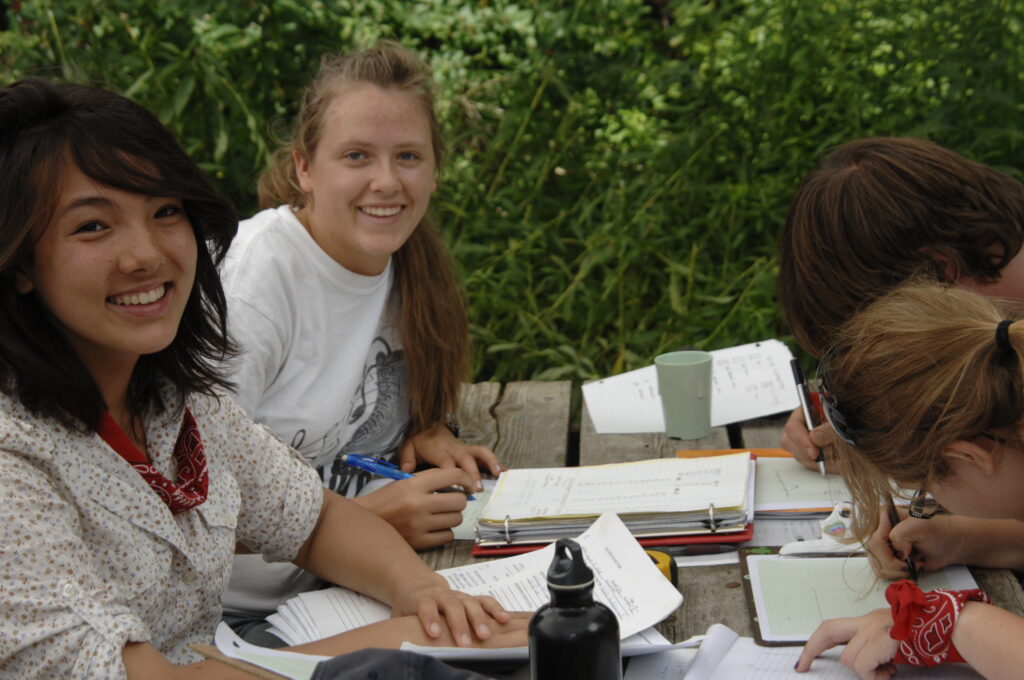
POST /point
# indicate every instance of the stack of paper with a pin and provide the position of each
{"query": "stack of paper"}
(661, 497)
(625, 579)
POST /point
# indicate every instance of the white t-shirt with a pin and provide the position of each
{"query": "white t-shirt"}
(320, 364)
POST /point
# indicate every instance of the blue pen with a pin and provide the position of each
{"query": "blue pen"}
(383, 468)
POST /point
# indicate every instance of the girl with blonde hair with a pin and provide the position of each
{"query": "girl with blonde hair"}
(347, 310)
(925, 390)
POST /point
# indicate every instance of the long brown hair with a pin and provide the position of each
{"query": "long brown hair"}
(880, 210)
(915, 371)
(434, 329)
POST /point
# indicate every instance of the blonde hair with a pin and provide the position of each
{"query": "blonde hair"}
(434, 328)
(914, 371)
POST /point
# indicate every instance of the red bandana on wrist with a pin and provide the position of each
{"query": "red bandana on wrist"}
(923, 623)
(189, 457)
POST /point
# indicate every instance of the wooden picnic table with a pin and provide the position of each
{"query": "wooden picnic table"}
(528, 425)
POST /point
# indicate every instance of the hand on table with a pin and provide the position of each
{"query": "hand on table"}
(438, 446)
(805, 445)
(869, 649)
(467, 616)
(424, 518)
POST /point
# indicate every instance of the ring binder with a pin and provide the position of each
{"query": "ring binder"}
(508, 536)
(711, 518)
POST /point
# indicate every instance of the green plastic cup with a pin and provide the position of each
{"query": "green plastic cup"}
(684, 382)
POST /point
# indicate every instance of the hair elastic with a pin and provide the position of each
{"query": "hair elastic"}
(1003, 336)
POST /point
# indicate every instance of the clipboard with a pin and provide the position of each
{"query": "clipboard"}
(818, 587)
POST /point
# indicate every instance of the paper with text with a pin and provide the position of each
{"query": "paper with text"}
(650, 486)
(792, 595)
(625, 579)
(783, 484)
(747, 381)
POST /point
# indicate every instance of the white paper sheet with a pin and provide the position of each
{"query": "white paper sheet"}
(289, 664)
(625, 579)
(723, 655)
(748, 381)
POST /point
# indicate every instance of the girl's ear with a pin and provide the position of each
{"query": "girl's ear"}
(302, 171)
(971, 454)
(22, 283)
(950, 270)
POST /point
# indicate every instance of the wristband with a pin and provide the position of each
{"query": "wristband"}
(923, 623)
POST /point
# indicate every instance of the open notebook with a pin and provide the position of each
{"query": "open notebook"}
(660, 498)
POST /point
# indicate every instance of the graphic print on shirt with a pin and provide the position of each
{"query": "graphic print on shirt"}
(377, 418)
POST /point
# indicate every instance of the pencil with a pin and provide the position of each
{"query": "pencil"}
(894, 519)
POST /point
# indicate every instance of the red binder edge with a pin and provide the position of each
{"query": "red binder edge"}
(736, 537)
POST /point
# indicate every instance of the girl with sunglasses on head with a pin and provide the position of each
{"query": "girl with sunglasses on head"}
(127, 479)
(926, 391)
(875, 213)
(349, 317)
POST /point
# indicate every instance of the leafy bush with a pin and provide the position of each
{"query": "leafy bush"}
(620, 168)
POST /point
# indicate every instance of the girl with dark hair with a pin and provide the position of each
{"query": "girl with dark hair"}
(348, 313)
(876, 212)
(126, 482)
(926, 390)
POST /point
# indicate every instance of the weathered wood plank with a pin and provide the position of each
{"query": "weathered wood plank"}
(526, 424)
(597, 449)
(477, 424)
(763, 433)
(533, 424)
(710, 595)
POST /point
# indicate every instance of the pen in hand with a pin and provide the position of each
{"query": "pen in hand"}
(805, 407)
(383, 468)
(894, 519)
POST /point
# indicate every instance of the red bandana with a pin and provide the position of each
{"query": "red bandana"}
(189, 457)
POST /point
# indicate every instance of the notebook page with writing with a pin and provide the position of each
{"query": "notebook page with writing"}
(747, 381)
(662, 485)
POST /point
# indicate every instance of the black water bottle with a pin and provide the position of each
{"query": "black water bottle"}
(573, 637)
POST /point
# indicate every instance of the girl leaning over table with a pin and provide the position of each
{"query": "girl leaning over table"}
(926, 391)
(126, 480)
(347, 310)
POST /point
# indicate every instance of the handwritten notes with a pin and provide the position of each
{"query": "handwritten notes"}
(748, 381)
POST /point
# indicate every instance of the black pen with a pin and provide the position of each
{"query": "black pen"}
(697, 548)
(894, 519)
(805, 407)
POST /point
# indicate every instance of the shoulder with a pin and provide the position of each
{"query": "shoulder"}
(29, 435)
(269, 241)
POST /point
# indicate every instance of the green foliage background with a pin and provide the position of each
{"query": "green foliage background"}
(620, 169)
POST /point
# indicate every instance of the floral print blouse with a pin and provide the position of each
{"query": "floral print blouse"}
(91, 558)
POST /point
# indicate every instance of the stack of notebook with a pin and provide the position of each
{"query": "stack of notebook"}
(664, 501)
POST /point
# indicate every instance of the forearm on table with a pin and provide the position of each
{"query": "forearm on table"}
(989, 640)
(996, 543)
(353, 547)
(143, 661)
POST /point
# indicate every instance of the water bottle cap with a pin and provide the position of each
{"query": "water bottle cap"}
(568, 570)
